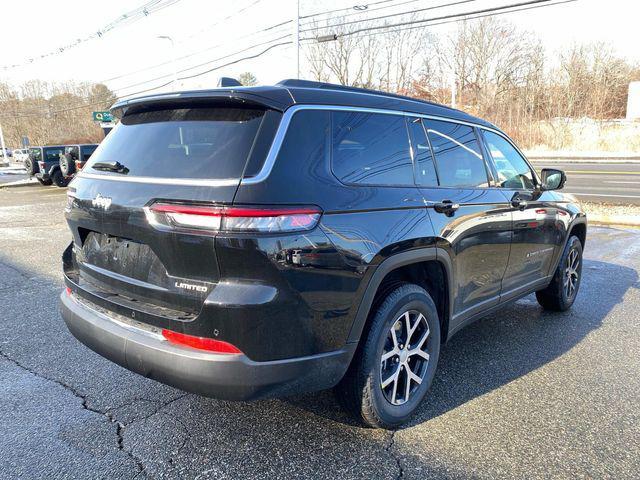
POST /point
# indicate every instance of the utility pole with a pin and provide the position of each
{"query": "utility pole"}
(296, 42)
(4, 147)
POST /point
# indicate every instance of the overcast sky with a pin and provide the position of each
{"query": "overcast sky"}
(202, 30)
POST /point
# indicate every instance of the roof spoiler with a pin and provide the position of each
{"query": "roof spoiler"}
(228, 82)
(197, 97)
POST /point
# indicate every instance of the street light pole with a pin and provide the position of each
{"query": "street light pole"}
(173, 59)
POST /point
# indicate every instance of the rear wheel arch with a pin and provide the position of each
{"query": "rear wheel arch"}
(429, 267)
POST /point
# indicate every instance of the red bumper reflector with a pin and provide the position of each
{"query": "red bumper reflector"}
(68, 290)
(200, 343)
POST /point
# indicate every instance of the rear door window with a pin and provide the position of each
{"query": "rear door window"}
(371, 149)
(191, 143)
(457, 154)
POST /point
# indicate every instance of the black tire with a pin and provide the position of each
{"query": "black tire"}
(558, 296)
(67, 165)
(45, 182)
(59, 179)
(31, 166)
(361, 391)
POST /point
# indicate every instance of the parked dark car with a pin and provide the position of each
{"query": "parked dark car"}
(266, 241)
(44, 164)
(74, 158)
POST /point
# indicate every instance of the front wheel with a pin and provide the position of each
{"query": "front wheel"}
(563, 289)
(395, 365)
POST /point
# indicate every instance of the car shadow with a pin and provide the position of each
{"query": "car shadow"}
(507, 344)
(172, 433)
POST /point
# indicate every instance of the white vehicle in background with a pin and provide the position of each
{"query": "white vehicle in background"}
(20, 155)
(4, 157)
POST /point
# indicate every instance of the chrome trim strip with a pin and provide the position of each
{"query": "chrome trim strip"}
(147, 330)
(270, 161)
(194, 182)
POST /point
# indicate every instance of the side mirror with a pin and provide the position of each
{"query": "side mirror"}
(552, 179)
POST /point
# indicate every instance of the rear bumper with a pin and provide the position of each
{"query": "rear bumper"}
(43, 176)
(228, 377)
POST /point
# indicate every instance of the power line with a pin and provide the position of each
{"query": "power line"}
(258, 32)
(365, 11)
(85, 105)
(132, 16)
(238, 60)
(515, 10)
(382, 17)
(354, 7)
(443, 17)
(204, 63)
(228, 17)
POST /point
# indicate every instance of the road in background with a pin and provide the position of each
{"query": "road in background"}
(12, 173)
(616, 183)
(522, 393)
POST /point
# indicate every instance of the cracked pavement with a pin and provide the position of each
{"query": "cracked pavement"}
(520, 394)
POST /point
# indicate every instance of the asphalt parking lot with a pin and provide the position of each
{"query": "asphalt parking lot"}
(520, 394)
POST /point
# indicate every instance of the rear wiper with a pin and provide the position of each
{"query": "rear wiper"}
(110, 167)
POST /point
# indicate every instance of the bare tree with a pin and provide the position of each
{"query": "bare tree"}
(247, 79)
(52, 113)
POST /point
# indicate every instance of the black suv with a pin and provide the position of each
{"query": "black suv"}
(250, 242)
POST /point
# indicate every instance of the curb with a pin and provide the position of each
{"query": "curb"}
(620, 220)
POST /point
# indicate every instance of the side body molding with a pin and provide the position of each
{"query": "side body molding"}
(387, 266)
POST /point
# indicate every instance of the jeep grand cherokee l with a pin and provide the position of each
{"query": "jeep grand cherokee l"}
(251, 242)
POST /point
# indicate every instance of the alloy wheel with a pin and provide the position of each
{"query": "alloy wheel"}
(572, 273)
(405, 357)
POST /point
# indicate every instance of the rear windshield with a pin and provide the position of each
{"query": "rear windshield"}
(52, 154)
(193, 143)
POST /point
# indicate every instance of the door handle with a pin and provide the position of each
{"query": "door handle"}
(447, 207)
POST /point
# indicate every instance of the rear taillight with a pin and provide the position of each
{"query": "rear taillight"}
(207, 218)
(200, 343)
(79, 164)
(41, 165)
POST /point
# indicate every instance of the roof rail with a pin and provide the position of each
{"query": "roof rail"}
(293, 82)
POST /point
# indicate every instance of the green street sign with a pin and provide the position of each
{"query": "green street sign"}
(102, 117)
